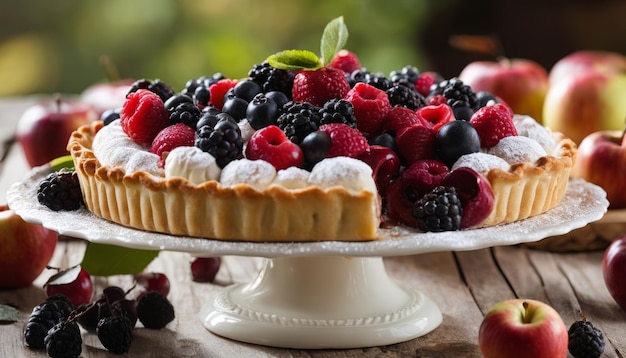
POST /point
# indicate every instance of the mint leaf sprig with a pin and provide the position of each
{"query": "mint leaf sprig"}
(334, 38)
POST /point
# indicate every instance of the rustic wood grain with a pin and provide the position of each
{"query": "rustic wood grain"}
(463, 284)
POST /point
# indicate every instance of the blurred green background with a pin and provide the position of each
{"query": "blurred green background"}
(56, 46)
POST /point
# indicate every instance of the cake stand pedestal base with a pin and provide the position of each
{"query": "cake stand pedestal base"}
(317, 302)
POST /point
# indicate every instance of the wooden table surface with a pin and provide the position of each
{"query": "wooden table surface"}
(463, 284)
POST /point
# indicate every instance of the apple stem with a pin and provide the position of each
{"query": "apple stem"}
(58, 100)
(504, 61)
(525, 318)
(109, 68)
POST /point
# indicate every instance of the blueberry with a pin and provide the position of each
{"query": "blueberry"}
(278, 97)
(110, 115)
(261, 111)
(462, 113)
(315, 146)
(236, 108)
(455, 139)
(246, 90)
(385, 140)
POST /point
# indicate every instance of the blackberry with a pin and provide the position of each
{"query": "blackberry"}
(182, 109)
(338, 110)
(223, 141)
(198, 89)
(357, 76)
(456, 93)
(272, 79)
(298, 119)
(60, 191)
(53, 310)
(377, 80)
(403, 96)
(162, 89)
(115, 333)
(154, 310)
(439, 210)
(407, 73)
(64, 340)
(585, 340)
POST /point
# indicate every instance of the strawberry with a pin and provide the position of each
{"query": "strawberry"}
(371, 106)
(170, 137)
(346, 61)
(416, 143)
(493, 123)
(415, 181)
(143, 116)
(345, 140)
(218, 91)
(272, 145)
(318, 86)
(436, 115)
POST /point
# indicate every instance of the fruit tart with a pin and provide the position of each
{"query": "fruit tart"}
(304, 149)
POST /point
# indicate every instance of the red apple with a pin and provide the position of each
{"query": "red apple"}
(520, 83)
(586, 94)
(75, 283)
(106, 95)
(25, 249)
(523, 328)
(601, 160)
(44, 129)
(614, 270)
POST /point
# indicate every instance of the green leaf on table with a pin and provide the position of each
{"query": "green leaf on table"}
(334, 39)
(293, 60)
(108, 260)
(8, 314)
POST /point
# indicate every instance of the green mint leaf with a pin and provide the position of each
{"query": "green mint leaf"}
(295, 60)
(108, 260)
(334, 39)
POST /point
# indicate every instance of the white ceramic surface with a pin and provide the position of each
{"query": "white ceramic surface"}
(326, 294)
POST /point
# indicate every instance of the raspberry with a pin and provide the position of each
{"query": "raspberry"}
(154, 310)
(585, 340)
(371, 106)
(115, 333)
(400, 118)
(439, 210)
(436, 100)
(345, 141)
(436, 115)
(416, 143)
(425, 81)
(218, 91)
(176, 135)
(60, 191)
(143, 116)
(346, 61)
(493, 123)
(64, 340)
(272, 145)
(319, 86)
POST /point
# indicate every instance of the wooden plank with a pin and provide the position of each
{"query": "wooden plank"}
(519, 272)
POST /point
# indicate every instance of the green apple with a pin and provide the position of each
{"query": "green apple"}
(25, 249)
(586, 94)
(523, 328)
(520, 83)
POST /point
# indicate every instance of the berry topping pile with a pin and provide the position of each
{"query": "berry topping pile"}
(296, 109)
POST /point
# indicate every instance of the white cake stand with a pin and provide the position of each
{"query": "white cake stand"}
(325, 294)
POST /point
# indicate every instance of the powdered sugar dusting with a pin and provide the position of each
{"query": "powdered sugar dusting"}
(292, 178)
(481, 162)
(528, 127)
(518, 149)
(257, 173)
(350, 173)
(191, 163)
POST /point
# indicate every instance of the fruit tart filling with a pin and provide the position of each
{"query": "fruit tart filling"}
(425, 145)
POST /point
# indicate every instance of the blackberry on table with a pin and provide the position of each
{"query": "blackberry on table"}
(115, 333)
(60, 191)
(53, 310)
(162, 89)
(223, 141)
(338, 110)
(154, 310)
(585, 340)
(457, 93)
(439, 210)
(64, 340)
(298, 119)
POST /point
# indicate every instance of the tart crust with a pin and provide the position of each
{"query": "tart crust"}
(178, 207)
(241, 213)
